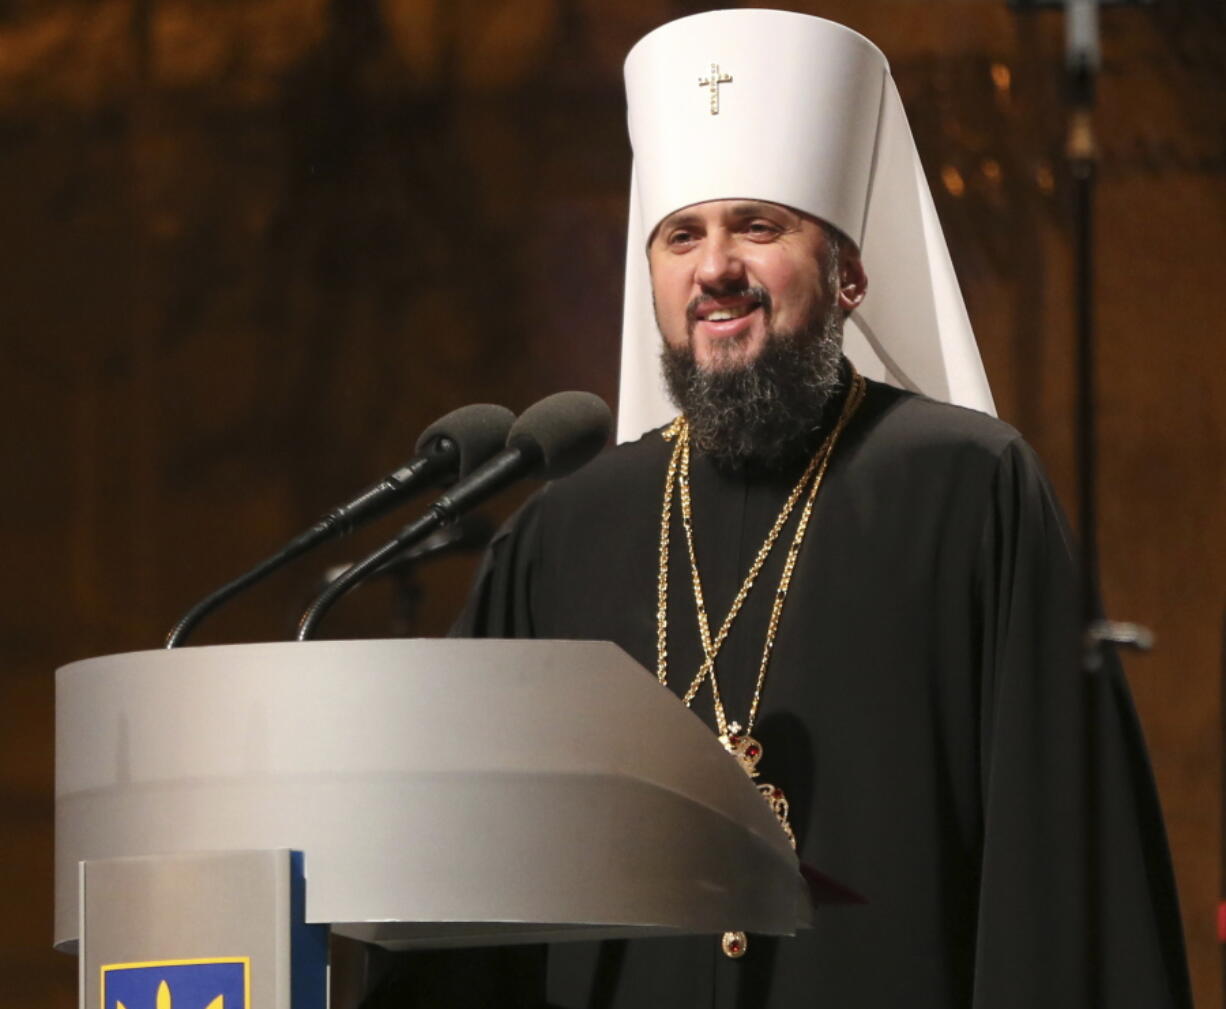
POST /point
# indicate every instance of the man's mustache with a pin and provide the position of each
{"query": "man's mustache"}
(759, 294)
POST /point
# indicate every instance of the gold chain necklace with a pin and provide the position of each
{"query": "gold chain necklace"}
(737, 741)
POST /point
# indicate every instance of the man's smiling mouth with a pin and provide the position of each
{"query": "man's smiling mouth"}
(724, 314)
(728, 307)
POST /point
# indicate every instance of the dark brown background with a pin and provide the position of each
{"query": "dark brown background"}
(248, 249)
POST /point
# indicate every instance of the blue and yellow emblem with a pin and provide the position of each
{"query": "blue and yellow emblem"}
(215, 983)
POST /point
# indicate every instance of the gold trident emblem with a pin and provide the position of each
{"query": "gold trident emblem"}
(164, 1000)
(712, 84)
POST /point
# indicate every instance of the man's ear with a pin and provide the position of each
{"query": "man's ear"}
(853, 281)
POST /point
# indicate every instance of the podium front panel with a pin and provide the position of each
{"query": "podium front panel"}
(464, 783)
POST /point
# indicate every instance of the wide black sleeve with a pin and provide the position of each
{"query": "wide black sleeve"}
(1077, 902)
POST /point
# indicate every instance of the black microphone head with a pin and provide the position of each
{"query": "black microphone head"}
(478, 431)
(567, 429)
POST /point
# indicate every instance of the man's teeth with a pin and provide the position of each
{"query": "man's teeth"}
(724, 314)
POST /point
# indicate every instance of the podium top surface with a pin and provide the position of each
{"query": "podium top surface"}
(428, 781)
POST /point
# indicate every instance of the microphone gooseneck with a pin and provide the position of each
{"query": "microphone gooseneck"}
(454, 445)
(551, 438)
(467, 533)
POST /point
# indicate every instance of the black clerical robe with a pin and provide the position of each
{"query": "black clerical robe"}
(925, 712)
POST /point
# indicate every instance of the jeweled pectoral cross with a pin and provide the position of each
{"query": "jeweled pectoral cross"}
(747, 751)
(712, 84)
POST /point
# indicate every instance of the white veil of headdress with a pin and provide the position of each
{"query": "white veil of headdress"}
(807, 116)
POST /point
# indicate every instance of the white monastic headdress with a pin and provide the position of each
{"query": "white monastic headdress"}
(792, 109)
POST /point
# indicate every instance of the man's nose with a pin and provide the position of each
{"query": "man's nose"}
(719, 263)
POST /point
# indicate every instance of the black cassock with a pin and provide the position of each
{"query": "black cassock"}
(924, 711)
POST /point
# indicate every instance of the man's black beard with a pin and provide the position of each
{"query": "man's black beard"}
(768, 414)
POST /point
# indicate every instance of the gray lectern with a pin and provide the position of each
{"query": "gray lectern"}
(440, 792)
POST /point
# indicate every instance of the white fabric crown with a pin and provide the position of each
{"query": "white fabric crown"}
(797, 110)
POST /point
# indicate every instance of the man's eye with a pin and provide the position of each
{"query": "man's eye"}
(761, 229)
(680, 237)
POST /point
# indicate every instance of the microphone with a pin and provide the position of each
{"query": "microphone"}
(551, 438)
(454, 445)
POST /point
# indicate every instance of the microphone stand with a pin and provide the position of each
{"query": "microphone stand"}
(1099, 634)
(1082, 63)
(468, 533)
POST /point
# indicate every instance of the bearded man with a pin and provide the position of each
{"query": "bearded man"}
(750, 299)
(872, 586)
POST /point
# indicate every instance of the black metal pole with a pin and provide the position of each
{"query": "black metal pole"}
(1081, 63)
(1081, 156)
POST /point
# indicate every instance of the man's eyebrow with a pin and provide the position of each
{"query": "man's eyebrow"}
(680, 217)
(759, 208)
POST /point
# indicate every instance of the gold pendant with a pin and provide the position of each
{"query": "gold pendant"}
(734, 945)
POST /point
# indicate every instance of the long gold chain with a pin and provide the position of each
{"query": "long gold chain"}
(679, 465)
(678, 474)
